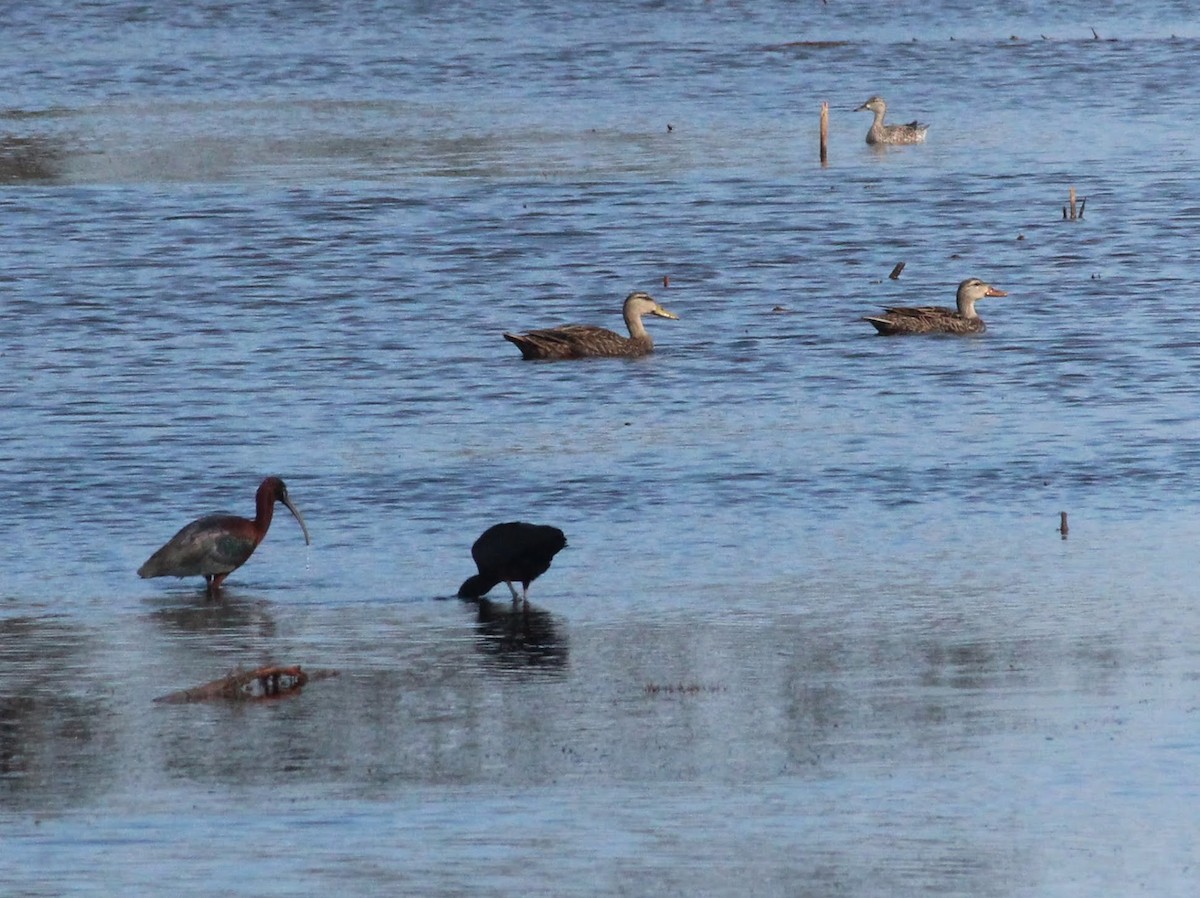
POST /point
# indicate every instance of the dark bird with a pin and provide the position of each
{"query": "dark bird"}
(216, 545)
(938, 319)
(579, 341)
(512, 552)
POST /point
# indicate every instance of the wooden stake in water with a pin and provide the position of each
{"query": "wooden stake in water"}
(824, 133)
(1062, 524)
(895, 275)
(1071, 203)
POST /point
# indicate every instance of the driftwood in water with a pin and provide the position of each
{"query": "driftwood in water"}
(274, 681)
(895, 275)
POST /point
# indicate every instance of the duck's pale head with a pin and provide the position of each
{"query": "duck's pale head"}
(971, 291)
(638, 304)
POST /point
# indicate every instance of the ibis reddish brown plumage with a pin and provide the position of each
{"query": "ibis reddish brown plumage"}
(216, 545)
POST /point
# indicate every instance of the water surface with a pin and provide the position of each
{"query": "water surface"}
(816, 631)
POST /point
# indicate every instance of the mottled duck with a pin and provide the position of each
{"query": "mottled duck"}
(578, 341)
(938, 319)
(913, 132)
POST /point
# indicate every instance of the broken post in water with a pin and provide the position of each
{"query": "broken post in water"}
(824, 133)
(1069, 211)
(1062, 524)
(895, 275)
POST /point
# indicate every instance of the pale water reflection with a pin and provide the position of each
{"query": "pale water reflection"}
(975, 745)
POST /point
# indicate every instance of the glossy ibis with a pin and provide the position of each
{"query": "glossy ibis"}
(216, 545)
(512, 552)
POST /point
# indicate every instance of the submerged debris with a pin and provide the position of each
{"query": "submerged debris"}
(262, 684)
(682, 688)
(812, 45)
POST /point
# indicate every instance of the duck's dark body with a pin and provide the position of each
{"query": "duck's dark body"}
(925, 320)
(582, 341)
(579, 341)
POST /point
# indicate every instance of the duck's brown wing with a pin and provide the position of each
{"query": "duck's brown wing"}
(920, 320)
(922, 312)
(571, 341)
(913, 132)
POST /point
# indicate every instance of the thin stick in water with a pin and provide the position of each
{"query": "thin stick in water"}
(824, 133)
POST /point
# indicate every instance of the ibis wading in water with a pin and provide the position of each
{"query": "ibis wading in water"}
(216, 545)
(515, 551)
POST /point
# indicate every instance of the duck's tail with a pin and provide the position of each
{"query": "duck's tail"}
(883, 325)
(529, 349)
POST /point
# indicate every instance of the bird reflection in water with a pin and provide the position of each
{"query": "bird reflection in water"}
(251, 619)
(31, 160)
(518, 637)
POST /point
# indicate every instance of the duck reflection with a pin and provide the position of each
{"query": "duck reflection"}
(516, 636)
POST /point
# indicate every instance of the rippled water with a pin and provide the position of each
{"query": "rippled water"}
(816, 631)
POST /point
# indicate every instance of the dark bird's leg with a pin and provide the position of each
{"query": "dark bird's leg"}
(513, 590)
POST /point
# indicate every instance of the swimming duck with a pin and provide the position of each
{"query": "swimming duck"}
(938, 319)
(913, 132)
(577, 341)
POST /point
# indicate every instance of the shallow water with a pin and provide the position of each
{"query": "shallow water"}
(816, 630)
